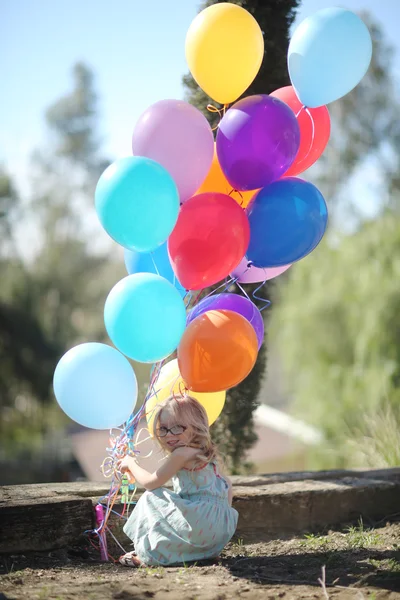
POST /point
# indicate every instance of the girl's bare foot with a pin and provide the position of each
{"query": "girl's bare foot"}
(130, 560)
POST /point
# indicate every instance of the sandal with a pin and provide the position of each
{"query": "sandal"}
(130, 560)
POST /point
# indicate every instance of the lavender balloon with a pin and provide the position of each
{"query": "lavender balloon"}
(245, 272)
(179, 137)
(236, 303)
(257, 141)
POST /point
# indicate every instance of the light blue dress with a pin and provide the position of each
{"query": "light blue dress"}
(193, 522)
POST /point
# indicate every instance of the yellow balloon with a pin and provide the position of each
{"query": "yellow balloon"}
(170, 382)
(224, 50)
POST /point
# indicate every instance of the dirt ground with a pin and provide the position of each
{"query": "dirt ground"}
(358, 563)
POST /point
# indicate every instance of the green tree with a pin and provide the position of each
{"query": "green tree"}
(73, 121)
(338, 326)
(8, 202)
(234, 430)
(337, 320)
(54, 299)
(22, 339)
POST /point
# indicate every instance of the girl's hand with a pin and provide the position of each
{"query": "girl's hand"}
(125, 463)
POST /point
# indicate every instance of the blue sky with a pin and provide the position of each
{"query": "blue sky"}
(135, 48)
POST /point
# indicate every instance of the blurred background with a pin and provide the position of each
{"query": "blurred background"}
(325, 392)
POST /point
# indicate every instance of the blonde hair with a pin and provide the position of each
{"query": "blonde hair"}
(190, 413)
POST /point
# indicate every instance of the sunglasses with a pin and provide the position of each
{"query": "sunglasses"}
(175, 430)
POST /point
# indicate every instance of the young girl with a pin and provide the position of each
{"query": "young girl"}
(196, 520)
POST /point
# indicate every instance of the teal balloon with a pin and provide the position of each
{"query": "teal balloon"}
(137, 203)
(145, 317)
(328, 55)
(95, 386)
(156, 262)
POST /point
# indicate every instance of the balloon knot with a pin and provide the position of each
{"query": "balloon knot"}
(233, 191)
(221, 112)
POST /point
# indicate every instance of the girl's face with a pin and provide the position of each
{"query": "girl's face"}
(170, 433)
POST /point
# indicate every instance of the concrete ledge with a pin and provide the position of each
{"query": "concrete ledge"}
(50, 516)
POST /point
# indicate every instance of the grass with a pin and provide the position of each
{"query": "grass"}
(389, 564)
(153, 571)
(239, 547)
(43, 593)
(358, 537)
(377, 443)
(315, 542)
(11, 573)
(186, 567)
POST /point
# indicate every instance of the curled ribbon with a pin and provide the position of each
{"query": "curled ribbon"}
(221, 112)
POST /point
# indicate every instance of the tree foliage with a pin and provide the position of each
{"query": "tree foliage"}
(338, 326)
(53, 298)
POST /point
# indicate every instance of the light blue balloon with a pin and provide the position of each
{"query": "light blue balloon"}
(137, 203)
(95, 386)
(328, 55)
(156, 262)
(145, 317)
(287, 221)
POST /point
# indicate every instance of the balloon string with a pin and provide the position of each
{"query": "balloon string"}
(221, 112)
(187, 298)
(226, 285)
(312, 132)
(154, 263)
(264, 301)
(182, 388)
(248, 266)
(236, 282)
(307, 110)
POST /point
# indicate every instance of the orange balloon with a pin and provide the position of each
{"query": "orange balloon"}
(217, 351)
(315, 129)
(217, 182)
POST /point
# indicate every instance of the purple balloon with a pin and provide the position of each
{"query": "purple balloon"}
(257, 141)
(248, 273)
(177, 136)
(236, 303)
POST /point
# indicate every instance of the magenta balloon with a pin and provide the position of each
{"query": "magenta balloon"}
(257, 141)
(246, 273)
(236, 303)
(177, 136)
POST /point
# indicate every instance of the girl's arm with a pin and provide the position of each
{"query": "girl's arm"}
(151, 481)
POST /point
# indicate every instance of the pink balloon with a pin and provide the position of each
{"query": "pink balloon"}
(179, 137)
(252, 274)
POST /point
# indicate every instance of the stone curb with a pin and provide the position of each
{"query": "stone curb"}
(49, 516)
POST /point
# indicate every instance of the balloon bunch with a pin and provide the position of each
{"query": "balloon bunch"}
(191, 213)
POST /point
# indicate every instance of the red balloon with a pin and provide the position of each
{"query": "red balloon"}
(315, 129)
(209, 240)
